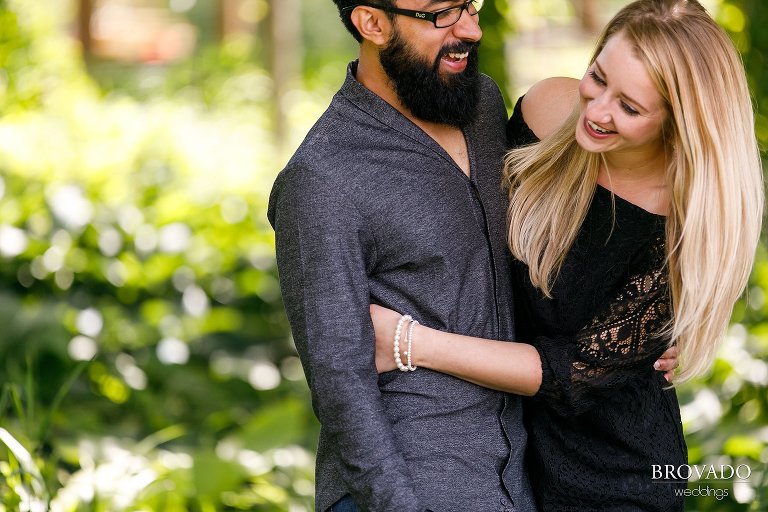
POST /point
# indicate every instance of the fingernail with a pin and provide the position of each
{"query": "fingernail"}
(656, 365)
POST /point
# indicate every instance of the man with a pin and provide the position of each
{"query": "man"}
(394, 198)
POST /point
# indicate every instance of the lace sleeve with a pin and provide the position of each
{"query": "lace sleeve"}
(618, 346)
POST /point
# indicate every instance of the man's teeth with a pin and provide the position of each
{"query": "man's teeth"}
(458, 56)
(597, 128)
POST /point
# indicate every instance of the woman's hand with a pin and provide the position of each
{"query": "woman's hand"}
(384, 324)
(667, 363)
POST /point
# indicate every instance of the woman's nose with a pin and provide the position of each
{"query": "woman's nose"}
(598, 109)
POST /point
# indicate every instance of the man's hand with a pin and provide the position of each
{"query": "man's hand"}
(667, 363)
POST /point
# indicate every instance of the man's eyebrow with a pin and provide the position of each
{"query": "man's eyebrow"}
(448, 3)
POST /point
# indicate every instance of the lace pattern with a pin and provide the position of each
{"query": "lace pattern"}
(617, 346)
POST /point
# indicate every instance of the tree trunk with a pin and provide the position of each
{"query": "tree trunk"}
(285, 58)
(228, 19)
(85, 11)
(586, 10)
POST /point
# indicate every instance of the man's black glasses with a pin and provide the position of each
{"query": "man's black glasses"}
(441, 19)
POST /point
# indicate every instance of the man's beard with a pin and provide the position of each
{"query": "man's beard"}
(450, 100)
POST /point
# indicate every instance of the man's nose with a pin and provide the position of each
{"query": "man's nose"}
(468, 27)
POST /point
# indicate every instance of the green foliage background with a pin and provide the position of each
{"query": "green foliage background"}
(145, 359)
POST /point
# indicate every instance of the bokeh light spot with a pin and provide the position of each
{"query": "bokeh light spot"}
(82, 348)
(172, 351)
(13, 241)
(264, 375)
(89, 322)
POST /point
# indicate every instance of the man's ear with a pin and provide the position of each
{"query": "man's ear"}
(373, 24)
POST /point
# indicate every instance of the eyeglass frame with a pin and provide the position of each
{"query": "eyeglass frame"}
(422, 15)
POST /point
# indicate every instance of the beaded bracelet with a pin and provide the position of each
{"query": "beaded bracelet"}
(398, 331)
(409, 366)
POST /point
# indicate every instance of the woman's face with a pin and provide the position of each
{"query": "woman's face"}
(622, 112)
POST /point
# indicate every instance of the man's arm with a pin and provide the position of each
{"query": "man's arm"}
(321, 241)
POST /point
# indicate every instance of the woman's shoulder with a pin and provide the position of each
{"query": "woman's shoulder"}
(548, 103)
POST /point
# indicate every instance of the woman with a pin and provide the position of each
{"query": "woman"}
(634, 224)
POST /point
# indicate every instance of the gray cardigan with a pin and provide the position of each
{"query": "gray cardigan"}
(372, 209)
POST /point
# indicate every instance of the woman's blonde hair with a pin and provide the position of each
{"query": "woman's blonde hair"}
(714, 175)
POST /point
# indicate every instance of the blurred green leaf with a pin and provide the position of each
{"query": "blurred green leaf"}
(214, 476)
(743, 446)
(278, 424)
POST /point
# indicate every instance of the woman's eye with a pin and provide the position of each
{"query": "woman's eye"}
(596, 78)
(629, 110)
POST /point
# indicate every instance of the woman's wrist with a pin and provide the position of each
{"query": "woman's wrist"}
(422, 345)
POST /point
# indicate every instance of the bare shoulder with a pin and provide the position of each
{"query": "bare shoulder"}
(548, 102)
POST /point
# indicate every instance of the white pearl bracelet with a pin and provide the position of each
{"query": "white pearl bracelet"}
(398, 332)
(409, 366)
(409, 339)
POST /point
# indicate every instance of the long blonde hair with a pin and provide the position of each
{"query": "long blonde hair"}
(714, 175)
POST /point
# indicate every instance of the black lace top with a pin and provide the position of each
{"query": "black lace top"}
(601, 420)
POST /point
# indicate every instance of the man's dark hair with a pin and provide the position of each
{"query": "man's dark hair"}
(346, 17)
